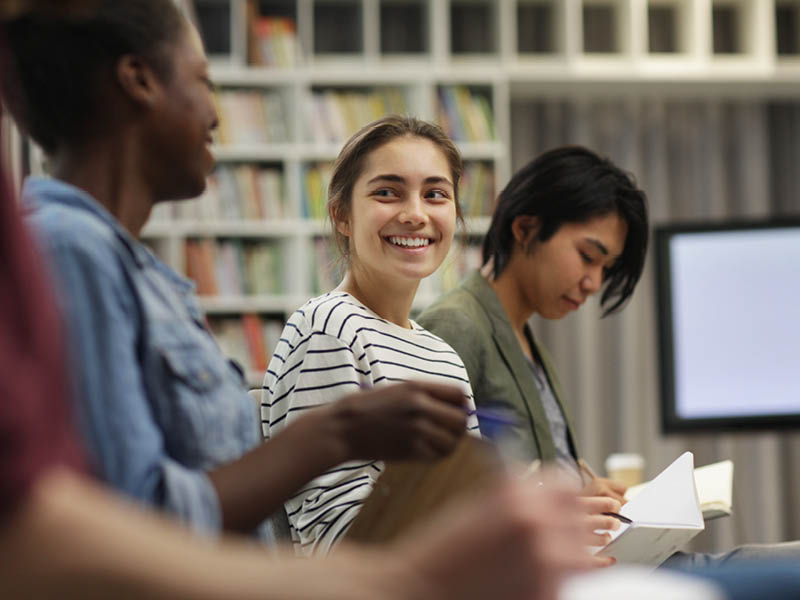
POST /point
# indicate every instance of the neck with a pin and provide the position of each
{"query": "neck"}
(113, 175)
(391, 302)
(511, 299)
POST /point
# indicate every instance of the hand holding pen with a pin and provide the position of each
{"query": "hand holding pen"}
(600, 486)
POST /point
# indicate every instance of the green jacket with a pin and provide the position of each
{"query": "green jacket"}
(471, 319)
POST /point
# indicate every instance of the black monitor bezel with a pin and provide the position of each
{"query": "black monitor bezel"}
(671, 422)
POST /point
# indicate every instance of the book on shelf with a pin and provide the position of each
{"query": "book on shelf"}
(316, 177)
(477, 189)
(464, 114)
(235, 192)
(714, 484)
(333, 115)
(273, 41)
(660, 519)
(234, 267)
(251, 117)
(248, 339)
(200, 266)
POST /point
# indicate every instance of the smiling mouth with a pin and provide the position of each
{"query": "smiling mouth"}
(574, 303)
(409, 242)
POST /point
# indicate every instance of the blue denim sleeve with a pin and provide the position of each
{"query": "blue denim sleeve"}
(127, 447)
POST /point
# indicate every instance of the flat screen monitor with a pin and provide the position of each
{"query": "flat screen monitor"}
(729, 325)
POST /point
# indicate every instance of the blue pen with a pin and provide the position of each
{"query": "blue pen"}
(492, 417)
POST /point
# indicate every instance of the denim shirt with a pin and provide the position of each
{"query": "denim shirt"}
(157, 403)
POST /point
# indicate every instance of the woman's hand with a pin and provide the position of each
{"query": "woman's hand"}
(406, 420)
(607, 488)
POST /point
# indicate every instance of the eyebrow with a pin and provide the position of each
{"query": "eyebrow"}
(599, 245)
(399, 179)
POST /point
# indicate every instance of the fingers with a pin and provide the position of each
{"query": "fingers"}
(422, 406)
(443, 392)
(596, 505)
(432, 441)
(605, 487)
(602, 562)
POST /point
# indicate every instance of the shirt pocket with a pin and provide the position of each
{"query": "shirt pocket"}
(202, 422)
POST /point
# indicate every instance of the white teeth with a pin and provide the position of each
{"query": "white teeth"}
(409, 242)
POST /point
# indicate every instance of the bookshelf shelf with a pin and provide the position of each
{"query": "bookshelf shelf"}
(277, 304)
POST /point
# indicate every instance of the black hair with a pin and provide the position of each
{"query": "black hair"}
(573, 185)
(56, 62)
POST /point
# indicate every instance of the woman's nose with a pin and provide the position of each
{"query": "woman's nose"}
(413, 211)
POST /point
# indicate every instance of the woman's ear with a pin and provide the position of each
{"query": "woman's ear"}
(342, 225)
(525, 228)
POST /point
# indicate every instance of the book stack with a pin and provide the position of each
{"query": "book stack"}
(234, 268)
(465, 115)
(251, 117)
(316, 177)
(238, 192)
(334, 115)
(477, 190)
(248, 339)
(273, 42)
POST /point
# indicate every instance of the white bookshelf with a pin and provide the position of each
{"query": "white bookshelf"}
(502, 49)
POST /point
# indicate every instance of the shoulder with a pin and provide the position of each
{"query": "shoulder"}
(338, 315)
(68, 235)
(456, 314)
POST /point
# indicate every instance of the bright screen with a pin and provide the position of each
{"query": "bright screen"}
(731, 333)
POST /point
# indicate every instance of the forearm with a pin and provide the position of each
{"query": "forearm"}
(74, 540)
(255, 486)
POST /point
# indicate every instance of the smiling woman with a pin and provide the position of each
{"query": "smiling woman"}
(393, 203)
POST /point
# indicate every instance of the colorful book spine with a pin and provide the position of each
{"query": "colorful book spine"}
(234, 267)
(248, 339)
(238, 192)
(251, 117)
(465, 114)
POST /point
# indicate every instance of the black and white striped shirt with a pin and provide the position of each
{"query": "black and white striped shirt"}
(330, 347)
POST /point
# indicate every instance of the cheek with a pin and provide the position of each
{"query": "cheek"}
(445, 219)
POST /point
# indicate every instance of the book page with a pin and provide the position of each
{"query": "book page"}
(669, 498)
(714, 484)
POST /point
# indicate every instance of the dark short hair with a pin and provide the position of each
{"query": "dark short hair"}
(573, 185)
(56, 62)
(350, 163)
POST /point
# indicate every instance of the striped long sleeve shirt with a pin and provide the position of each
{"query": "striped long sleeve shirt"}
(330, 347)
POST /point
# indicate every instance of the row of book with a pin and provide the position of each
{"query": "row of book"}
(251, 192)
(273, 40)
(251, 117)
(254, 192)
(248, 339)
(234, 267)
(334, 115)
(465, 115)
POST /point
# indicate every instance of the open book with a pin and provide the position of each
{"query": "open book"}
(714, 484)
(664, 516)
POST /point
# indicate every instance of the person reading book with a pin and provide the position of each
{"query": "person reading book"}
(124, 110)
(568, 225)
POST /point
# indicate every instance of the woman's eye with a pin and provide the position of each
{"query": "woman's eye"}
(438, 194)
(586, 258)
(385, 193)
